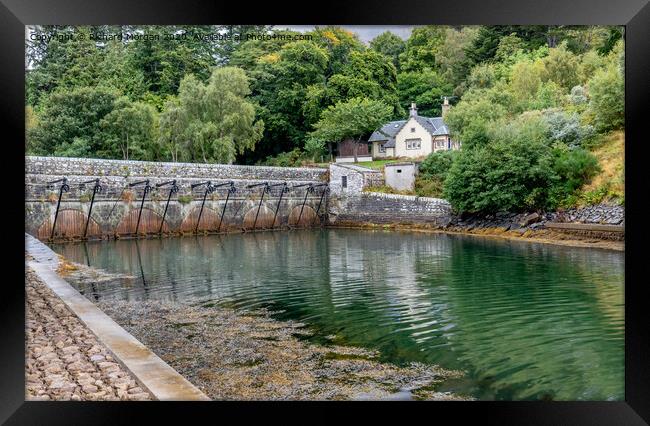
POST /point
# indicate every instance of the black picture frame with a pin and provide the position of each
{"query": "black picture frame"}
(634, 14)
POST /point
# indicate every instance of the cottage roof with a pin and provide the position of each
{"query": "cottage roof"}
(434, 125)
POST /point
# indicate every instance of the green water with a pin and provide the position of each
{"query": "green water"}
(525, 321)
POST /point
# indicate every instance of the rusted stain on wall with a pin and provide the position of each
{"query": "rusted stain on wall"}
(264, 219)
(149, 223)
(209, 220)
(69, 224)
(308, 217)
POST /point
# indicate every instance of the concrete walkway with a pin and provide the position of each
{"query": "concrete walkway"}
(152, 373)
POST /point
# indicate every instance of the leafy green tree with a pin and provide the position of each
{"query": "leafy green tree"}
(129, 131)
(216, 119)
(561, 67)
(421, 48)
(280, 86)
(165, 60)
(235, 36)
(173, 135)
(607, 99)
(68, 122)
(426, 88)
(574, 167)
(437, 165)
(390, 45)
(352, 119)
(566, 128)
(368, 75)
(339, 44)
(68, 61)
(451, 60)
(469, 121)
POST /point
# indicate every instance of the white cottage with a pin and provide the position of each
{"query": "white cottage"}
(413, 138)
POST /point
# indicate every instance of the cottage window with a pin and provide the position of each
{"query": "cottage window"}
(412, 129)
(382, 148)
(413, 143)
(344, 181)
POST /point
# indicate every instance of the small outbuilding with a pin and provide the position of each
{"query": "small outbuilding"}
(400, 176)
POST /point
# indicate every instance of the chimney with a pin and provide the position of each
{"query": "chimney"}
(445, 106)
(414, 110)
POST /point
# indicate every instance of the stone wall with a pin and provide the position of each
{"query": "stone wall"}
(117, 207)
(356, 178)
(372, 207)
(65, 166)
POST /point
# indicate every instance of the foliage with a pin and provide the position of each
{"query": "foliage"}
(390, 45)
(127, 130)
(607, 99)
(437, 164)
(421, 48)
(507, 175)
(286, 159)
(425, 88)
(351, 119)
(69, 123)
(566, 128)
(214, 121)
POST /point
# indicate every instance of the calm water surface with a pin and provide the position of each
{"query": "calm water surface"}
(526, 321)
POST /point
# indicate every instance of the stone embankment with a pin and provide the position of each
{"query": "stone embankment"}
(64, 360)
(597, 214)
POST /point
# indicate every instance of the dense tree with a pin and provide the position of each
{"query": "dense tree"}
(513, 172)
(390, 45)
(215, 120)
(368, 74)
(427, 88)
(339, 44)
(129, 130)
(280, 88)
(421, 48)
(352, 119)
(68, 123)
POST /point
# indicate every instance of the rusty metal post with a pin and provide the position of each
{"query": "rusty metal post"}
(64, 188)
(231, 190)
(147, 188)
(172, 190)
(96, 188)
(277, 208)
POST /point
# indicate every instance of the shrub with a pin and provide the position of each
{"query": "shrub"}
(566, 128)
(508, 174)
(437, 164)
(286, 159)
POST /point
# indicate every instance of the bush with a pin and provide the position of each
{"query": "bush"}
(574, 168)
(507, 175)
(566, 128)
(286, 159)
(437, 165)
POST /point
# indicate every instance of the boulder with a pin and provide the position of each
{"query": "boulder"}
(528, 219)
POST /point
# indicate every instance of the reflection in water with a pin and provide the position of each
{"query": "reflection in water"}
(526, 321)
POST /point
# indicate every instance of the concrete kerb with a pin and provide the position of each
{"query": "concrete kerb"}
(151, 372)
